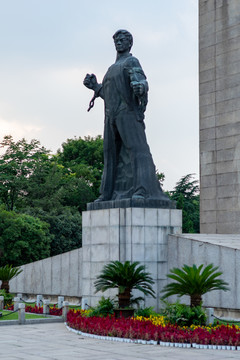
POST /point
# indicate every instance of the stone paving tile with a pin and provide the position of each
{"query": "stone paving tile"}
(55, 342)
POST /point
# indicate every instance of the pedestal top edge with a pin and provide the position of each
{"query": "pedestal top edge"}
(132, 203)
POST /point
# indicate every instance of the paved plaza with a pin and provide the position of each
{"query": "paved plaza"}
(55, 342)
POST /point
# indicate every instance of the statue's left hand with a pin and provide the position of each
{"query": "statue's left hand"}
(138, 88)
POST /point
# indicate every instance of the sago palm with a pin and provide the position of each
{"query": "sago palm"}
(194, 281)
(7, 273)
(125, 277)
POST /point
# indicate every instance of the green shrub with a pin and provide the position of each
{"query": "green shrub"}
(145, 312)
(184, 315)
(125, 277)
(194, 281)
(8, 298)
(104, 307)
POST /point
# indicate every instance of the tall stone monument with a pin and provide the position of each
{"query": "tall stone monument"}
(219, 78)
(132, 217)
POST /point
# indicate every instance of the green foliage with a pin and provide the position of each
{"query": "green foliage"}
(184, 315)
(56, 190)
(160, 177)
(23, 238)
(7, 273)
(66, 229)
(145, 312)
(104, 307)
(186, 194)
(84, 158)
(194, 281)
(8, 297)
(125, 277)
(17, 164)
(34, 183)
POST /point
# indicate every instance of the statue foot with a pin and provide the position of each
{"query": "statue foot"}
(101, 198)
(136, 196)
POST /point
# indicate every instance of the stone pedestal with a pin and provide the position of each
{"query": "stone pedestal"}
(135, 234)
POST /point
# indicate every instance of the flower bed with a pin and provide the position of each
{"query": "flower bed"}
(154, 329)
(53, 310)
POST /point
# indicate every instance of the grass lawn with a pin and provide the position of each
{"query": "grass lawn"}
(14, 316)
(70, 306)
(74, 307)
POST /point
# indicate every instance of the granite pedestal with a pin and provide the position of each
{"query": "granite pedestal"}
(135, 234)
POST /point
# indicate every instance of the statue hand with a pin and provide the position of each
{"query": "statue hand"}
(90, 81)
(138, 88)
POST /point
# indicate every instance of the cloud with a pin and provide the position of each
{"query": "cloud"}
(18, 130)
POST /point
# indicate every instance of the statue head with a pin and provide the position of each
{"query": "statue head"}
(126, 34)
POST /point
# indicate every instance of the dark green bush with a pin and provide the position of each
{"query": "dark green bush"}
(145, 312)
(184, 315)
(104, 307)
(8, 297)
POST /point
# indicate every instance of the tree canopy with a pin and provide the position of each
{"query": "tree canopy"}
(52, 189)
(186, 195)
(17, 165)
(23, 238)
(84, 158)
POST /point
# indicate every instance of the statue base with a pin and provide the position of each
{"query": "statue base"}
(134, 234)
(132, 203)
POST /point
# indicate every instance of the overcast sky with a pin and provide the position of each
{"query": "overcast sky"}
(47, 47)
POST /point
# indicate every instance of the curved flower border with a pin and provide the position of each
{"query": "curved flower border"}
(154, 331)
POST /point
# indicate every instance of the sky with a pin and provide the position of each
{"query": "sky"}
(48, 46)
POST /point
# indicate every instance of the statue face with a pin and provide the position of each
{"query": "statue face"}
(122, 43)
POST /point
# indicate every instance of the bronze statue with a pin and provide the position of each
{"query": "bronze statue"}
(129, 171)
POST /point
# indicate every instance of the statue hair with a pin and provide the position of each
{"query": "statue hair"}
(125, 33)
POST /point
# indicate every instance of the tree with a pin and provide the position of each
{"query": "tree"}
(186, 195)
(54, 189)
(34, 183)
(17, 164)
(66, 231)
(23, 238)
(84, 158)
(125, 277)
(59, 200)
(194, 281)
(160, 177)
(7, 273)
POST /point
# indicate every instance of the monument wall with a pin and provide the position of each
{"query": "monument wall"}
(71, 274)
(53, 276)
(222, 251)
(219, 88)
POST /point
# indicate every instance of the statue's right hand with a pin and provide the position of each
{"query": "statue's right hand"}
(90, 81)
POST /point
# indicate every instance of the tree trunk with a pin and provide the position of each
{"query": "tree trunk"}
(196, 300)
(124, 299)
(5, 285)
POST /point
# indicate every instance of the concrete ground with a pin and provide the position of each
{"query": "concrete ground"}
(55, 342)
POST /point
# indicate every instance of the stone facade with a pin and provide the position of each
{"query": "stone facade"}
(54, 276)
(219, 78)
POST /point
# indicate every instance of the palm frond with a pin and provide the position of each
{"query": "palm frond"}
(193, 280)
(8, 272)
(124, 276)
